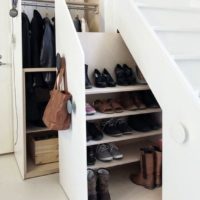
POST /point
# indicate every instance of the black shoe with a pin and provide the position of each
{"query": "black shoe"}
(91, 159)
(95, 133)
(149, 99)
(152, 122)
(99, 79)
(109, 127)
(89, 136)
(130, 75)
(123, 126)
(138, 123)
(120, 75)
(88, 84)
(109, 80)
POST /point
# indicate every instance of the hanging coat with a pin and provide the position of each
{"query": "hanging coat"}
(48, 57)
(26, 46)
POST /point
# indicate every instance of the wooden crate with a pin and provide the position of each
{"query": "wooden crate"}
(43, 150)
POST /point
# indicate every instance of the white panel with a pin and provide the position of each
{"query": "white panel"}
(171, 18)
(72, 143)
(18, 94)
(6, 122)
(181, 42)
(176, 97)
(191, 69)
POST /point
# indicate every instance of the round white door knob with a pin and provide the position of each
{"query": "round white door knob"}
(179, 133)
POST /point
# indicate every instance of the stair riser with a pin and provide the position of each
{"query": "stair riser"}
(171, 18)
(168, 2)
(191, 70)
(181, 42)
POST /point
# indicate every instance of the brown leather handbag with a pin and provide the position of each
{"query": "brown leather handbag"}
(56, 116)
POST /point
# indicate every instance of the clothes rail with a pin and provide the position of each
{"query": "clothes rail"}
(71, 5)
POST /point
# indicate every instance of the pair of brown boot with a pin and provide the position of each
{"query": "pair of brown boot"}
(98, 183)
(150, 175)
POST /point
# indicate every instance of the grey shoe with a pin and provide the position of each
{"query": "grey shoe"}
(114, 151)
(103, 153)
(92, 180)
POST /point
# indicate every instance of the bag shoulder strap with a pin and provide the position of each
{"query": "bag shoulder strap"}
(62, 75)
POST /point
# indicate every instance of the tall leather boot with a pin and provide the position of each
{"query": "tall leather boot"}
(146, 176)
(158, 168)
(92, 180)
(88, 84)
(102, 184)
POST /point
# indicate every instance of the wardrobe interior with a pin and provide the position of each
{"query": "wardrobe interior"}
(101, 50)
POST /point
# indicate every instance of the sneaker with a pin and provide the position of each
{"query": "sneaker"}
(91, 159)
(109, 128)
(123, 126)
(114, 151)
(103, 153)
(94, 132)
(90, 110)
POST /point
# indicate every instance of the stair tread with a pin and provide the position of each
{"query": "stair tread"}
(166, 7)
(186, 57)
(175, 29)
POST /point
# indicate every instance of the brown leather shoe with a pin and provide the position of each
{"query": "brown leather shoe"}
(127, 102)
(137, 99)
(146, 176)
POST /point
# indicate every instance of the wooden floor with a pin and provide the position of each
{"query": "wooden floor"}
(121, 188)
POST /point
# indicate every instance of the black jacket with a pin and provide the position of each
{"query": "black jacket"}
(26, 46)
(37, 31)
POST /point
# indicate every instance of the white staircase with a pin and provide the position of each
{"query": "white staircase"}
(164, 38)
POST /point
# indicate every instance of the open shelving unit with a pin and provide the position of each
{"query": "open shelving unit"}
(129, 144)
(33, 170)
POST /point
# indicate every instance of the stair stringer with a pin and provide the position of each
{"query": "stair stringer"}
(180, 105)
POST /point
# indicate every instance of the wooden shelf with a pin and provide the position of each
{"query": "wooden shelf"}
(131, 154)
(98, 115)
(116, 89)
(41, 170)
(34, 70)
(34, 129)
(134, 135)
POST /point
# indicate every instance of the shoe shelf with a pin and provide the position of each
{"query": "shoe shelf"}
(39, 69)
(132, 136)
(41, 170)
(116, 89)
(131, 154)
(98, 115)
(35, 129)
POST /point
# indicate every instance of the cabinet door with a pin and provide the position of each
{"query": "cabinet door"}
(6, 127)
(72, 143)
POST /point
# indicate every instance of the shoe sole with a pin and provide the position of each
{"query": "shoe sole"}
(106, 159)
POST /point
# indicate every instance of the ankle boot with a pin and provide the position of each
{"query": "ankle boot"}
(146, 176)
(92, 179)
(158, 168)
(102, 185)
(88, 84)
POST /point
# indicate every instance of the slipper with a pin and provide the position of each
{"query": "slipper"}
(103, 106)
(115, 105)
